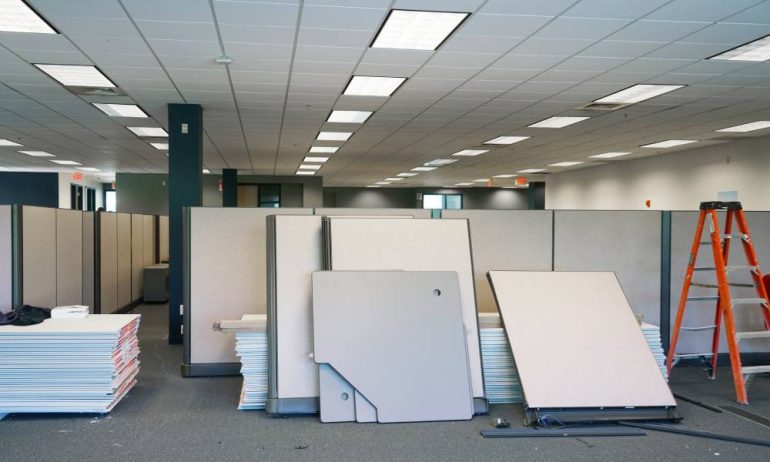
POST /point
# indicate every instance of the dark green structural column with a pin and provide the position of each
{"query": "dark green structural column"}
(230, 187)
(185, 189)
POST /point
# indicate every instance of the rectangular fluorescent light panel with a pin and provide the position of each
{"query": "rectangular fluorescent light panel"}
(565, 164)
(205, 170)
(506, 139)
(362, 85)
(423, 169)
(349, 117)
(149, 131)
(65, 162)
(417, 30)
(393, 179)
(17, 16)
(757, 51)
(407, 174)
(305, 172)
(323, 149)
(440, 162)
(120, 110)
(315, 159)
(638, 93)
(503, 176)
(8, 142)
(749, 127)
(160, 146)
(76, 76)
(668, 143)
(532, 170)
(481, 180)
(334, 136)
(374, 186)
(609, 155)
(463, 184)
(382, 182)
(37, 153)
(470, 152)
(88, 169)
(309, 167)
(558, 122)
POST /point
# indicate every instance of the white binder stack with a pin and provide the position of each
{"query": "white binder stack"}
(251, 347)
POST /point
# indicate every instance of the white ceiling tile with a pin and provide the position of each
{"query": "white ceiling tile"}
(334, 54)
(481, 44)
(621, 49)
(257, 13)
(499, 25)
(700, 10)
(613, 9)
(175, 30)
(655, 31)
(534, 7)
(552, 47)
(727, 34)
(342, 18)
(580, 28)
(256, 34)
(334, 38)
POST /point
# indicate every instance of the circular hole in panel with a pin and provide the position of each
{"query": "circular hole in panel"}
(437, 292)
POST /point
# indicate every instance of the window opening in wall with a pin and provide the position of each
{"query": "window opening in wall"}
(269, 195)
(442, 201)
(111, 201)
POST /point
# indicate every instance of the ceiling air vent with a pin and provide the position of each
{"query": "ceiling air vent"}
(96, 91)
(602, 106)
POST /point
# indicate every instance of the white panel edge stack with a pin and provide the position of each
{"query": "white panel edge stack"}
(251, 347)
(68, 365)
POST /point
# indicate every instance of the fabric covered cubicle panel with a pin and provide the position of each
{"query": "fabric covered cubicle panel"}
(626, 242)
(414, 213)
(6, 258)
(38, 256)
(69, 257)
(88, 259)
(124, 259)
(747, 317)
(506, 240)
(108, 262)
(162, 239)
(148, 240)
(226, 278)
(137, 255)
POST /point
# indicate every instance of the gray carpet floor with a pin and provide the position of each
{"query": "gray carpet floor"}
(167, 417)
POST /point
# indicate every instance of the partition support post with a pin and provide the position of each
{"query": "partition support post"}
(665, 279)
(185, 189)
(230, 187)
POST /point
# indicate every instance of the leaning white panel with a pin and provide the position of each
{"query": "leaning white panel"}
(576, 341)
(412, 245)
(398, 339)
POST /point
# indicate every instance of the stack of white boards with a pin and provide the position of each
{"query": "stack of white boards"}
(251, 347)
(501, 381)
(68, 365)
(377, 362)
(652, 336)
(579, 351)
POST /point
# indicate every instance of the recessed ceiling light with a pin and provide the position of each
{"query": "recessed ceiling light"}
(374, 186)
(565, 164)
(315, 159)
(558, 122)
(463, 184)
(205, 170)
(88, 169)
(76, 76)
(382, 182)
(424, 169)
(417, 30)
(160, 146)
(121, 110)
(362, 85)
(349, 117)
(669, 143)
(17, 16)
(481, 180)
(638, 93)
(305, 172)
(609, 155)
(393, 179)
(440, 162)
(506, 139)
(334, 136)
(407, 174)
(749, 127)
(323, 149)
(8, 143)
(504, 176)
(758, 51)
(470, 152)
(532, 170)
(37, 153)
(65, 162)
(155, 132)
(309, 167)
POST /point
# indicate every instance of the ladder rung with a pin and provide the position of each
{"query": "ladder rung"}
(755, 370)
(751, 335)
(730, 236)
(727, 268)
(749, 301)
(702, 298)
(700, 328)
(716, 286)
(693, 355)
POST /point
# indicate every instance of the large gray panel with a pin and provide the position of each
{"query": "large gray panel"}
(625, 242)
(398, 338)
(228, 274)
(108, 264)
(88, 259)
(747, 317)
(506, 240)
(39, 256)
(69, 257)
(339, 212)
(148, 241)
(163, 238)
(137, 256)
(6, 254)
(124, 259)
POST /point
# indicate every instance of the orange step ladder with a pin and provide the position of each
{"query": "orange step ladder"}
(720, 247)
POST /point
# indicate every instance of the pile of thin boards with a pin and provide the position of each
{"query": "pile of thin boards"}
(579, 352)
(251, 347)
(300, 246)
(68, 365)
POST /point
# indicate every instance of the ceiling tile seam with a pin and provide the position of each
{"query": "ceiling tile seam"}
(163, 68)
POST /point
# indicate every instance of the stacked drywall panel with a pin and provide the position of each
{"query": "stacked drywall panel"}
(227, 278)
(38, 256)
(627, 243)
(506, 240)
(6, 258)
(411, 245)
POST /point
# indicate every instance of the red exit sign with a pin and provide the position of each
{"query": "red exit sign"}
(77, 176)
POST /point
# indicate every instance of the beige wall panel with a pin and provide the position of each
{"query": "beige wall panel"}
(39, 256)
(69, 257)
(109, 262)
